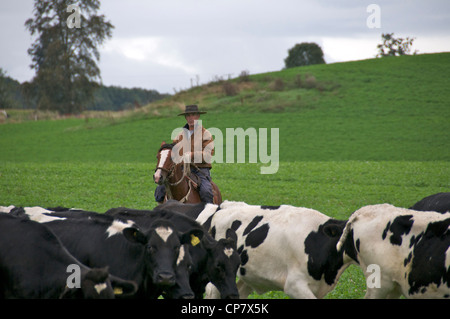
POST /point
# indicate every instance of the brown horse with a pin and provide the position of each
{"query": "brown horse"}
(180, 184)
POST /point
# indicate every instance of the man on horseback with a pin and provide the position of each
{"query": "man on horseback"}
(194, 145)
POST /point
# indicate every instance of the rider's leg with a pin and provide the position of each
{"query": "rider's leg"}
(205, 191)
(160, 193)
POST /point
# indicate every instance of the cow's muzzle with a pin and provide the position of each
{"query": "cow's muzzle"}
(165, 279)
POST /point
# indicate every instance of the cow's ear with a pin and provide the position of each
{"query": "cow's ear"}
(192, 237)
(208, 242)
(134, 235)
(122, 288)
(333, 230)
(232, 237)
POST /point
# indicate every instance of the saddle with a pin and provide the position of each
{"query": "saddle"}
(195, 180)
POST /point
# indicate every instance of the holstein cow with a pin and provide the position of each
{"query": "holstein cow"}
(154, 258)
(184, 263)
(281, 248)
(407, 250)
(34, 264)
(213, 261)
(439, 202)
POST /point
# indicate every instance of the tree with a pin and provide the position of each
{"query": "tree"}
(393, 47)
(65, 52)
(6, 87)
(304, 54)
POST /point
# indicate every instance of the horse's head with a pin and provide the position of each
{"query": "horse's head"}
(164, 165)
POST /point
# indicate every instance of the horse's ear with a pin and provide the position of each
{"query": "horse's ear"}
(163, 143)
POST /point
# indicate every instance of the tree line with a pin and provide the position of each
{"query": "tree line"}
(306, 53)
(112, 98)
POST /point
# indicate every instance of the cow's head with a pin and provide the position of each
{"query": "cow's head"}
(223, 263)
(340, 234)
(163, 250)
(99, 284)
(182, 288)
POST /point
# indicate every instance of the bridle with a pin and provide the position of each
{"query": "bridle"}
(171, 170)
(186, 172)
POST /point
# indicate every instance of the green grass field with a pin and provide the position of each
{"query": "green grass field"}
(368, 132)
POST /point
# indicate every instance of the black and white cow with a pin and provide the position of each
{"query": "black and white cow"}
(408, 249)
(34, 264)
(155, 258)
(281, 248)
(213, 260)
(439, 202)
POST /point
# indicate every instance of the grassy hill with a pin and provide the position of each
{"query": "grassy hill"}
(351, 134)
(380, 109)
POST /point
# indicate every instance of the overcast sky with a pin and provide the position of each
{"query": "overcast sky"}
(163, 44)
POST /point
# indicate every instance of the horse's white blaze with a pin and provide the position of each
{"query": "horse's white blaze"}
(162, 161)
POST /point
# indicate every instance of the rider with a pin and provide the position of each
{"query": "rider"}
(201, 159)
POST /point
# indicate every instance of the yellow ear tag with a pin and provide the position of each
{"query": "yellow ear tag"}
(194, 240)
(118, 291)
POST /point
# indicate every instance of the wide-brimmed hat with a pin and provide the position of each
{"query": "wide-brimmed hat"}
(191, 109)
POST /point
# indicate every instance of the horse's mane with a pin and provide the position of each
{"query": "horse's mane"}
(166, 146)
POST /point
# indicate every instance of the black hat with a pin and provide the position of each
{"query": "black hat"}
(191, 109)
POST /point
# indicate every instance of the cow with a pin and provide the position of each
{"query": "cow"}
(439, 202)
(191, 210)
(408, 249)
(34, 264)
(214, 260)
(155, 258)
(281, 247)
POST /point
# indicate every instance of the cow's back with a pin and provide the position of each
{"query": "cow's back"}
(439, 202)
(408, 246)
(26, 248)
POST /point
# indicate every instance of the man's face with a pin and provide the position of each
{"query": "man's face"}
(191, 118)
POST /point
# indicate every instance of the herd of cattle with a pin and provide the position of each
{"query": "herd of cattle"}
(184, 250)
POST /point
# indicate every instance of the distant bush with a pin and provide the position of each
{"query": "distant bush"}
(230, 89)
(310, 81)
(277, 85)
(244, 76)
